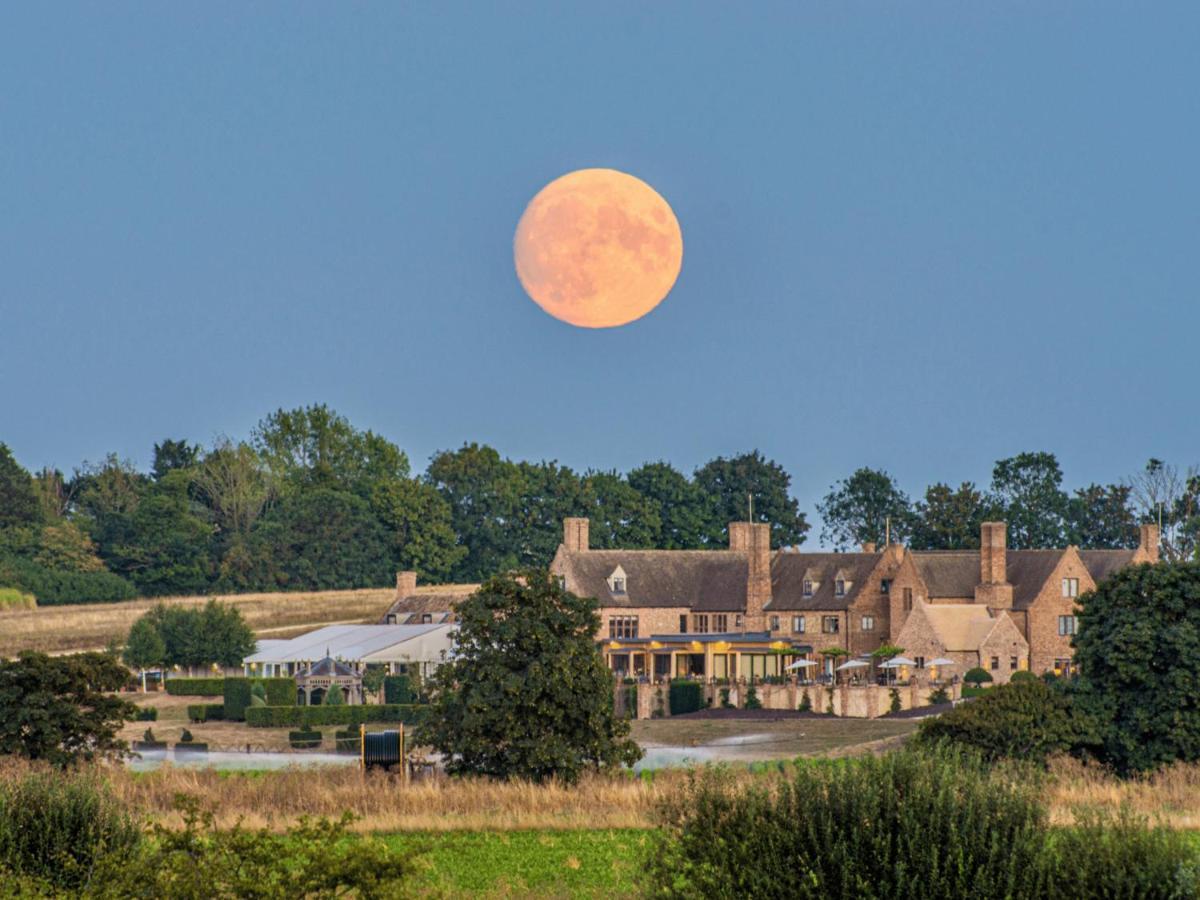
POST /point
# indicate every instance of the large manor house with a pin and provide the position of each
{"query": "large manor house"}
(748, 611)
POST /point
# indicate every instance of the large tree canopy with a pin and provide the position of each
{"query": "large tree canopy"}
(527, 695)
(1027, 493)
(732, 482)
(948, 519)
(867, 507)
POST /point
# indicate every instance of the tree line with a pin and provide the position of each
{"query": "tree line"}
(310, 502)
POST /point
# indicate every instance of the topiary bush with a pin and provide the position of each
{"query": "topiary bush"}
(1022, 675)
(805, 702)
(347, 741)
(978, 676)
(205, 712)
(304, 740)
(399, 689)
(301, 716)
(147, 714)
(1027, 721)
(237, 695)
(895, 705)
(685, 697)
(279, 691)
(752, 701)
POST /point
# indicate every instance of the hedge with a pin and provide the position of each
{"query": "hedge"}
(304, 740)
(347, 741)
(147, 714)
(195, 687)
(53, 587)
(206, 712)
(307, 716)
(686, 697)
(398, 689)
(280, 692)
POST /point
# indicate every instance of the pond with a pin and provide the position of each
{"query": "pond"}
(246, 762)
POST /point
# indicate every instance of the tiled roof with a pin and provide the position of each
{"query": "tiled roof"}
(438, 600)
(788, 571)
(959, 626)
(712, 580)
(1103, 563)
(948, 573)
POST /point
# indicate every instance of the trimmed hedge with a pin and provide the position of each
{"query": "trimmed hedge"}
(206, 712)
(398, 689)
(195, 687)
(280, 692)
(686, 697)
(306, 716)
(147, 714)
(304, 740)
(347, 741)
(186, 747)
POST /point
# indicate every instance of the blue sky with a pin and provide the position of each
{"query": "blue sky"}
(917, 236)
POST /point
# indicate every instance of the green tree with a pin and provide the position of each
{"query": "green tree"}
(198, 637)
(171, 455)
(333, 696)
(948, 519)
(145, 647)
(686, 514)
(526, 695)
(620, 516)
(1100, 517)
(62, 709)
(19, 503)
(548, 494)
(418, 523)
(861, 508)
(730, 483)
(1027, 493)
(1138, 650)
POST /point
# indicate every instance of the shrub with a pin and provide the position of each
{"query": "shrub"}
(1022, 675)
(978, 676)
(752, 701)
(895, 705)
(55, 826)
(195, 687)
(237, 698)
(258, 694)
(1026, 720)
(303, 716)
(685, 697)
(838, 830)
(333, 696)
(205, 712)
(805, 702)
(279, 691)
(147, 714)
(11, 598)
(57, 587)
(304, 740)
(938, 697)
(725, 704)
(185, 736)
(399, 689)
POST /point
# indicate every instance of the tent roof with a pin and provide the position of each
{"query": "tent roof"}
(355, 643)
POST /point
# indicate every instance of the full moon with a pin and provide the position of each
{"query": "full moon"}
(598, 248)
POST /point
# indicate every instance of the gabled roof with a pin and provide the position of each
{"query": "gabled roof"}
(948, 573)
(698, 579)
(788, 571)
(959, 626)
(438, 599)
(331, 667)
(1103, 563)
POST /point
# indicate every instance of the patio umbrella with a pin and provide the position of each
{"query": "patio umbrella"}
(940, 661)
(799, 664)
(852, 664)
(897, 661)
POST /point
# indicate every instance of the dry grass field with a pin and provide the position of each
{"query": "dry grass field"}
(58, 629)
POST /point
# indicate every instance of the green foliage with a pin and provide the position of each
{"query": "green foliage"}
(195, 687)
(186, 736)
(420, 528)
(347, 741)
(399, 689)
(53, 587)
(938, 696)
(729, 482)
(977, 676)
(752, 701)
(685, 697)
(147, 714)
(304, 740)
(56, 827)
(11, 598)
(860, 508)
(279, 691)
(215, 633)
(171, 456)
(906, 824)
(1102, 517)
(685, 514)
(526, 694)
(145, 647)
(894, 705)
(948, 519)
(1027, 494)
(18, 500)
(205, 712)
(805, 702)
(333, 696)
(1023, 721)
(1138, 648)
(887, 651)
(62, 709)
(236, 695)
(303, 716)
(258, 694)
(1021, 675)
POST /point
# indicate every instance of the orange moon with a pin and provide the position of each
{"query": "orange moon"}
(598, 248)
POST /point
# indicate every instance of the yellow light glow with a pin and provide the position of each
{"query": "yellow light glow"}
(598, 248)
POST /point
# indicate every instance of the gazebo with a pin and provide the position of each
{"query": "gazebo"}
(313, 685)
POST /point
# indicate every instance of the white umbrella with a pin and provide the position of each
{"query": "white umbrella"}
(800, 664)
(852, 664)
(897, 661)
(940, 661)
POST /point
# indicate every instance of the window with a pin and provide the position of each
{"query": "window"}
(920, 661)
(391, 619)
(1070, 587)
(618, 585)
(908, 601)
(622, 626)
(1012, 663)
(737, 622)
(683, 624)
(1067, 625)
(700, 624)
(1064, 667)
(798, 624)
(829, 624)
(720, 623)
(808, 587)
(839, 588)
(426, 618)
(774, 623)
(868, 623)
(885, 586)
(995, 663)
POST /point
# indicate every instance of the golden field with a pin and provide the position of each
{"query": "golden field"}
(57, 629)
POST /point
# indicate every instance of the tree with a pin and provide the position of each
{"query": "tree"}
(731, 482)
(61, 709)
(1026, 492)
(197, 637)
(620, 516)
(526, 694)
(19, 504)
(232, 482)
(948, 519)
(417, 521)
(333, 696)
(144, 648)
(685, 513)
(977, 676)
(1100, 517)
(1163, 494)
(861, 508)
(1138, 650)
(170, 456)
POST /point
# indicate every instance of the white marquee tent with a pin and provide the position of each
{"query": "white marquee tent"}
(420, 648)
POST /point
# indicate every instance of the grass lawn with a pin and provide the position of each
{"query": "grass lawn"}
(755, 739)
(601, 863)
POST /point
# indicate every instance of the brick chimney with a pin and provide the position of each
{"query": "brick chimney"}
(1147, 550)
(575, 534)
(993, 589)
(868, 547)
(754, 539)
(406, 584)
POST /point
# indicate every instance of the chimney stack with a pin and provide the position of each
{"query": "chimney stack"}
(406, 584)
(993, 589)
(754, 539)
(575, 533)
(868, 547)
(1147, 551)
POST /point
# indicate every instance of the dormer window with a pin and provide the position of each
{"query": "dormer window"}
(808, 587)
(842, 583)
(616, 581)
(839, 587)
